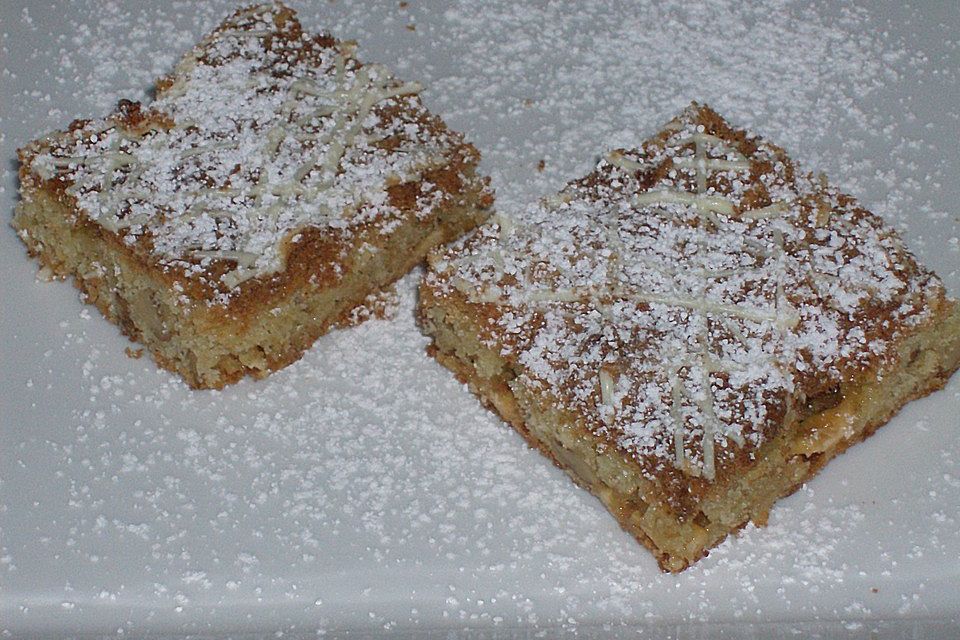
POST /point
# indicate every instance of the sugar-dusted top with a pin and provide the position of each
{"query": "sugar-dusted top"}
(688, 295)
(261, 130)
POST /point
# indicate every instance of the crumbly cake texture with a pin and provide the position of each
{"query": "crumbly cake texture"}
(273, 185)
(692, 330)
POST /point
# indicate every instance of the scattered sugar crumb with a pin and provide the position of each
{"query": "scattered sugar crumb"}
(366, 465)
(380, 305)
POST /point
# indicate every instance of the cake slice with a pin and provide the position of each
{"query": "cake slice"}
(692, 330)
(274, 183)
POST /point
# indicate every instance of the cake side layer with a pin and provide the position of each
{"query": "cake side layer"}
(207, 346)
(924, 362)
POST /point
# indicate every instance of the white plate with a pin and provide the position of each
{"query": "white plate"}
(363, 489)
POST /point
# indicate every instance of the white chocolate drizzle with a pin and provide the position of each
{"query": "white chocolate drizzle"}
(782, 316)
(693, 312)
(251, 156)
(606, 393)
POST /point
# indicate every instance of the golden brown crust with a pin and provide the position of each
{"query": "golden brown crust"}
(319, 247)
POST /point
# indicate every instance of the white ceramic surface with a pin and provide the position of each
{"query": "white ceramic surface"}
(363, 490)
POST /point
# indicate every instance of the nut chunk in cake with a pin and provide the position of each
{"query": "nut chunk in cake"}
(273, 184)
(692, 330)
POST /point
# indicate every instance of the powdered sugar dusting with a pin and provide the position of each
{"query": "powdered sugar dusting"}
(719, 283)
(261, 131)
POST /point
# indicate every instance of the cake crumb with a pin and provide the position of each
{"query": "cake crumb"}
(379, 305)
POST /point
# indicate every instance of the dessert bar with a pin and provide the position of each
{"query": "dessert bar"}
(273, 184)
(692, 330)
